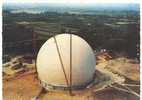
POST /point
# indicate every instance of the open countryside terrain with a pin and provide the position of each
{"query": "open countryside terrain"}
(112, 32)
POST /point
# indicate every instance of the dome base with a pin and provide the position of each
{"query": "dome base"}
(51, 87)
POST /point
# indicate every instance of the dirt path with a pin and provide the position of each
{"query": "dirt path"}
(21, 88)
(27, 87)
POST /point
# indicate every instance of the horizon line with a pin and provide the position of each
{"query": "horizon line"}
(75, 2)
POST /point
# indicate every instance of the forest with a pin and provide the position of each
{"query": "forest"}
(115, 31)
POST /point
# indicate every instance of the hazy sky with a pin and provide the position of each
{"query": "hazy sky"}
(72, 1)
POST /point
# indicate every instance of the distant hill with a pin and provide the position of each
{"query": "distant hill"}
(38, 8)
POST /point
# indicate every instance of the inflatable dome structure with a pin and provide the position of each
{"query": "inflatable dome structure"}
(65, 61)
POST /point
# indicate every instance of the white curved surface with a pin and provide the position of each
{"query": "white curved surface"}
(83, 61)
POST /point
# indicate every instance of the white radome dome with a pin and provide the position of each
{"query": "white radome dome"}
(49, 67)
